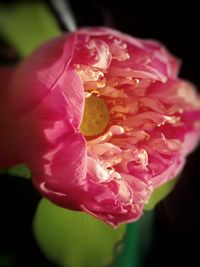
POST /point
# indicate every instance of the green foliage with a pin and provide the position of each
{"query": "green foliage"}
(26, 25)
(6, 260)
(74, 239)
(160, 193)
(20, 170)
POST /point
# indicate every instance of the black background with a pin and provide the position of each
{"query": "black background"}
(176, 233)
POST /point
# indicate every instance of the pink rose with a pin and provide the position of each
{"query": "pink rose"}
(101, 119)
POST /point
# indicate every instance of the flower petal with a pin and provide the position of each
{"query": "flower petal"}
(41, 73)
(7, 158)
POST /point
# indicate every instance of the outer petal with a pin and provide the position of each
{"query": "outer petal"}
(60, 173)
(46, 81)
(145, 55)
(6, 155)
(172, 63)
(41, 72)
(5, 77)
(53, 148)
(109, 201)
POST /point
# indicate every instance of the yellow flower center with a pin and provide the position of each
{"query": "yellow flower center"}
(95, 117)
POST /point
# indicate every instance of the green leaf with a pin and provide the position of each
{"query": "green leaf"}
(20, 170)
(6, 260)
(74, 239)
(160, 193)
(26, 25)
(3, 171)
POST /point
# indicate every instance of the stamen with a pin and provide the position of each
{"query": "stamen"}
(95, 92)
(114, 130)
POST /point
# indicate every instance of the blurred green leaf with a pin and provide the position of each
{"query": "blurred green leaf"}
(6, 260)
(74, 239)
(26, 25)
(3, 171)
(20, 170)
(160, 193)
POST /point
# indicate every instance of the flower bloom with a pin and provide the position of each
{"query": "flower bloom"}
(101, 119)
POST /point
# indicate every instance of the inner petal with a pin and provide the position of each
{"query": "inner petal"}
(95, 117)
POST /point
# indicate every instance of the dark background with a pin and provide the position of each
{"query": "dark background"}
(176, 234)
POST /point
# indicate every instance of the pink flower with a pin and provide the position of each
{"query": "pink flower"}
(101, 119)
